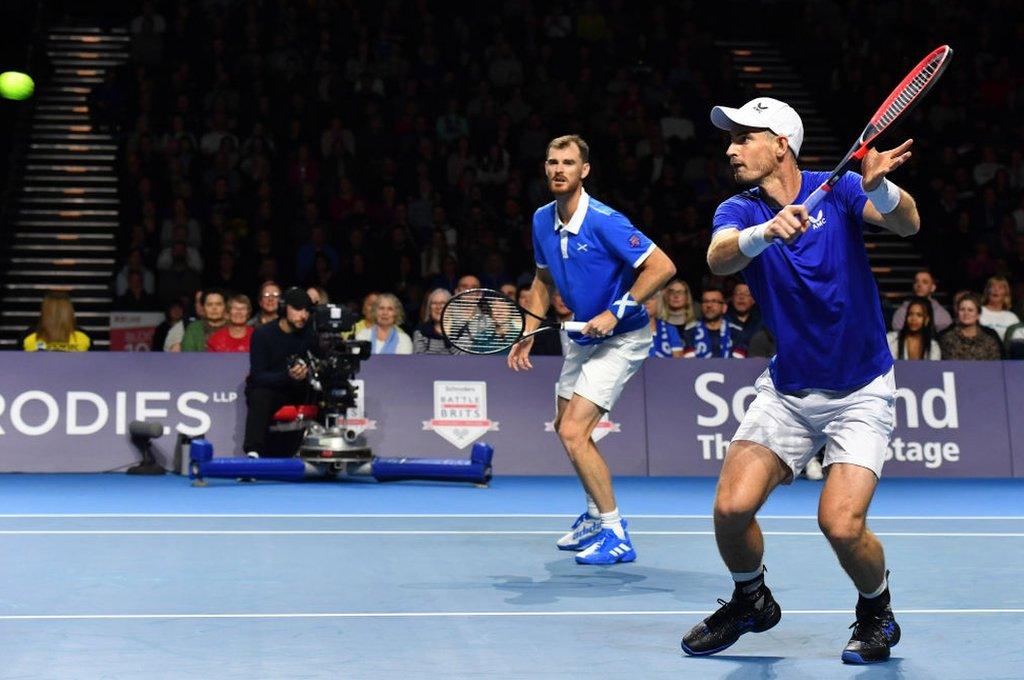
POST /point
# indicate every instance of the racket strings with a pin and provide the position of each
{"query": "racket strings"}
(480, 322)
(918, 84)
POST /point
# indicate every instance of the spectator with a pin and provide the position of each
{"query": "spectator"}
(714, 336)
(915, 340)
(665, 341)
(1014, 341)
(177, 278)
(318, 295)
(762, 344)
(744, 314)
(384, 335)
(428, 338)
(136, 299)
(995, 313)
(226, 276)
(200, 330)
(135, 263)
(679, 307)
(967, 340)
(924, 287)
(173, 313)
(368, 319)
(305, 260)
(237, 334)
(270, 296)
(56, 330)
(272, 381)
(466, 282)
(508, 288)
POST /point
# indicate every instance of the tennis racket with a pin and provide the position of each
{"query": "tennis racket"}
(484, 321)
(907, 94)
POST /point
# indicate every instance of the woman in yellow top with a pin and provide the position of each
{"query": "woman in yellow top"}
(56, 331)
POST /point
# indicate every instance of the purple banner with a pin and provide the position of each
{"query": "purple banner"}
(950, 421)
(407, 396)
(1014, 371)
(69, 412)
(693, 408)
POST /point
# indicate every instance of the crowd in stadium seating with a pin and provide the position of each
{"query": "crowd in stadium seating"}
(365, 148)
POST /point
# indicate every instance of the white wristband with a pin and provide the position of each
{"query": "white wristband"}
(752, 240)
(885, 197)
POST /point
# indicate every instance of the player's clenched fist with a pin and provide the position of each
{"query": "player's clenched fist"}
(788, 224)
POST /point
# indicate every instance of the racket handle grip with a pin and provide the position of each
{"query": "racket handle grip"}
(573, 326)
(817, 197)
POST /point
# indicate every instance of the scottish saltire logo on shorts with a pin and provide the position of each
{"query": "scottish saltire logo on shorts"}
(634, 241)
(460, 411)
(355, 418)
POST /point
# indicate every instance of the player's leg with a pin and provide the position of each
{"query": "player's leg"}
(771, 444)
(602, 376)
(842, 516)
(750, 473)
(858, 437)
(587, 526)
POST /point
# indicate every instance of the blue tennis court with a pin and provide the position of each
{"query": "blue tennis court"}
(111, 576)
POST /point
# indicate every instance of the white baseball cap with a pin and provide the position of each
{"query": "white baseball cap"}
(763, 113)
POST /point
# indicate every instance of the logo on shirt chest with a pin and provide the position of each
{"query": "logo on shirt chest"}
(582, 247)
(817, 222)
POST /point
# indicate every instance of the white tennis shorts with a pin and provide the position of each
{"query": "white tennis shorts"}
(854, 427)
(599, 372)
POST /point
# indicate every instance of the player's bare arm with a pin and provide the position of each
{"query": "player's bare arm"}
(537, 303)
(652, 275)
(904, 219)
(726, 252)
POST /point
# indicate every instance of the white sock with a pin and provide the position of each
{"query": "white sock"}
(743, 576)
(592, 508)
(878, 591)
(613, 520)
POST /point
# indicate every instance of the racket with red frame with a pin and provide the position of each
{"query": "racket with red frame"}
(907, 94)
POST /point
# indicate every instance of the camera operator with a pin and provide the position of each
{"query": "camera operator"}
(274, 380)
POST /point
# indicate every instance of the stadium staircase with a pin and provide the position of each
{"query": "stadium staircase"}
(765, 71)
(65, 192)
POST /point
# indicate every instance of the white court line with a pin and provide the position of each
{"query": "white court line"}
(492, 614)
(145, 515)
(436, 532)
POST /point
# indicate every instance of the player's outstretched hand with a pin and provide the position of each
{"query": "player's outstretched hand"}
(519, 355)
(601, 325)
(788, 224)
(877, 164)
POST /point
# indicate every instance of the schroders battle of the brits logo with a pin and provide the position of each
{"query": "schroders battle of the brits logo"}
(603, 427)
(355, 418)
(460, 411)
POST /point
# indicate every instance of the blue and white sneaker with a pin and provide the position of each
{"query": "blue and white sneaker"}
(583, 532)
(608, 548)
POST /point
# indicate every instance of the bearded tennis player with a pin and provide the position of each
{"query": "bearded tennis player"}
(604, 268)
(831, 382)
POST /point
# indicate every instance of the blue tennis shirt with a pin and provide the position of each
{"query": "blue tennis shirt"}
(817, 296)
(592, 261)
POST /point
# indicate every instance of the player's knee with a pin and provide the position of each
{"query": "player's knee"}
(571, 432)
(842, 530)
(732, 513)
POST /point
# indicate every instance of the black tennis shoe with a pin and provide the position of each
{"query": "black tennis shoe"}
(734, 618)
(874, 634)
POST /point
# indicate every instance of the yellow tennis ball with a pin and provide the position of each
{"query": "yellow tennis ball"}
(15, 85)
